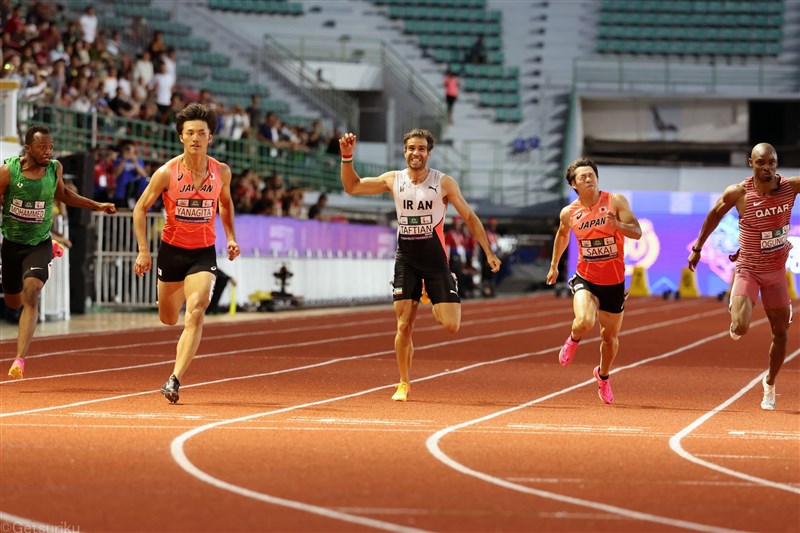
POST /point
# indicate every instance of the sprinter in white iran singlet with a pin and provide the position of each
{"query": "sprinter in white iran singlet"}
(420, 217)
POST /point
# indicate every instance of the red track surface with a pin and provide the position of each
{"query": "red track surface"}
(287, 425)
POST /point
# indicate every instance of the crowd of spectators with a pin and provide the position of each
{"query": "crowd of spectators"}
(74, 62)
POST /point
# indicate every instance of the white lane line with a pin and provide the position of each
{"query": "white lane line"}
(435, 449)
(730, 456)
(314, 365)
(677, 447)
(357, 323)
(243, 351)
(178, 445)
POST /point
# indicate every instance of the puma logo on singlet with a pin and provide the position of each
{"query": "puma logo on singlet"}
(434, 189)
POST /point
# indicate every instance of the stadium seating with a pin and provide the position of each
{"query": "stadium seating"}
(265, 7)
(682, 27)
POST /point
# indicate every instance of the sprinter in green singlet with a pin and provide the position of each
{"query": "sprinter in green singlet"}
(28, 185)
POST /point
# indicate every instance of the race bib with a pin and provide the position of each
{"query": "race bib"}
(774, 240)
(599, 249)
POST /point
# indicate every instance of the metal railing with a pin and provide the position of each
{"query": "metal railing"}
(75, 131)
(374, 51)
(666, 76)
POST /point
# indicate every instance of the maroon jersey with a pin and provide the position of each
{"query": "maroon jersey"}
(764, 228)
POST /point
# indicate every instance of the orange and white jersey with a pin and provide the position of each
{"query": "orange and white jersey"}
(601, 246)
(191, 212)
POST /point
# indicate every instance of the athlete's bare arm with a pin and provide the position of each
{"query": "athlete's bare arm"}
(158, 184)
(794, 181)
(226, 213)
(73, 199)
(734, 195)
(559, 245)
(452, 193)
(5, 179)
(353, 184)
(623, 218)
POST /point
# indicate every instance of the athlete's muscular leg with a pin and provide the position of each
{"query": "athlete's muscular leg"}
(448, 315)
(406, 311)
(741, 314)
(779, 323)
(610, 324)
(170, 301)
(197, 288)
(29, 299)
(584, 305)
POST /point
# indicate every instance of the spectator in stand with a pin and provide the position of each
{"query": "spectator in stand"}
(293, 203)
(110, 83)
(170, 59)
(315, 211)
(176, 105)
(239, 122)
(127, 170)
(162, 85)
(104, 182)
(143, 68)
(315, 137)
(88, 22)
(82, 51)
(114, 44)
(13, 29)
(477, 53)
(157, 46)
(333, 144)
(255, 113)
(57, 82)
(139, 91)
(246, 191)
(451, 85)
(122, 106)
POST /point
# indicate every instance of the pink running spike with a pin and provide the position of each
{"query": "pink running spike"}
(604, 387)
(58, 250)
(567, 351)
(17, 368)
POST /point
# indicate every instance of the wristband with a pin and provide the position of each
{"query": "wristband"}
(695, 250)
(347, 156)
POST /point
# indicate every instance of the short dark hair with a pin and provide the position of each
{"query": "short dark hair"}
(196, 112)
(33, 130)
(580, 162)
(419, 132)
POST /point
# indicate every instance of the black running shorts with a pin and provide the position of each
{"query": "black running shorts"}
(440, 284)
(175, 263)
(611, 297)
(20, 261)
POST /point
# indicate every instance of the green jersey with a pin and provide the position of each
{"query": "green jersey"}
(28, 204)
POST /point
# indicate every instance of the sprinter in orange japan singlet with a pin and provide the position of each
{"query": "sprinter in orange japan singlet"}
(600, 221)
(764, 202)
(193, 186)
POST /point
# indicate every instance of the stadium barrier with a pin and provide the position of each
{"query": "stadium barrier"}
(319, 277)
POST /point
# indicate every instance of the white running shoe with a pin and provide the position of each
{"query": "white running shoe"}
(734, 336)
(768, 402)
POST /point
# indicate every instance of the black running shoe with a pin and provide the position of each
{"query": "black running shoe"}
(170, 389)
